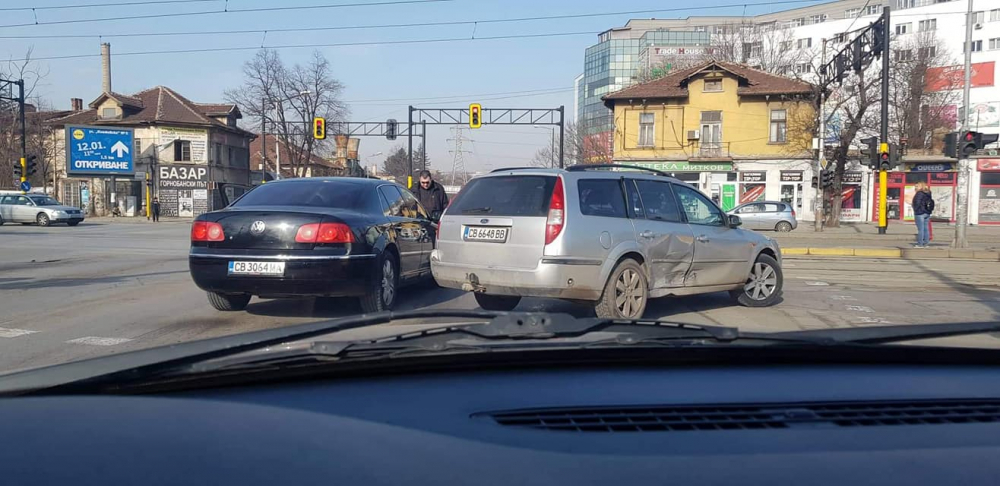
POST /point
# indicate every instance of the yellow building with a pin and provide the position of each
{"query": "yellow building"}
(739, 134)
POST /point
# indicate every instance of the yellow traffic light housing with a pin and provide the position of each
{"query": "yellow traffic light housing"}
(475, 115)
(319, 128)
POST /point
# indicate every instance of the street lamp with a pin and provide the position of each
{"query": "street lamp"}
(552, 145)
(263, 131)
(369, 158)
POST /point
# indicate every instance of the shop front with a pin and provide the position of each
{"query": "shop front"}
(901, 187)
(716, 179)
(989, 190)
(851, 199)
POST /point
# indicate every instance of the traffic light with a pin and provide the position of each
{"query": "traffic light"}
(884, 157)
(826, 178)
(475, 115)
(951, 145)
(31, 166)
(319, 128)
(869, 152)
(391, 129)
(878, 37)
(967, 143)
(17, 169)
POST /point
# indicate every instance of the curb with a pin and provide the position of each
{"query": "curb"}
(903, 253)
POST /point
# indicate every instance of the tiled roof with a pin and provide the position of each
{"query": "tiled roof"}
(216, 108)
(154, 105)
(753, 82)
(272, 143)
(130, 101)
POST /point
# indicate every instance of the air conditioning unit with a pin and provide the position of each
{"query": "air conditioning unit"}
(978, 26)
(694, 134)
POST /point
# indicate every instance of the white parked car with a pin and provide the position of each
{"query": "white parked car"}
(37, 208)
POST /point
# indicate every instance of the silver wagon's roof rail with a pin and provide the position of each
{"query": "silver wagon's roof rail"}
(585, 167)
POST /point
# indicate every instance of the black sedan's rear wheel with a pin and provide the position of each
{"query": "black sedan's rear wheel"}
(228, 302)
(381, 295)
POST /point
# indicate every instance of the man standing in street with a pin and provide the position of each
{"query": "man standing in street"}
(431, 195)
(156, 209)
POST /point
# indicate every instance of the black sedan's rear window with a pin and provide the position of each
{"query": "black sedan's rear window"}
(320, 194)
(505, 196)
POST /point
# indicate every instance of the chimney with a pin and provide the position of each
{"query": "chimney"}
(106, 66)
(77, 104)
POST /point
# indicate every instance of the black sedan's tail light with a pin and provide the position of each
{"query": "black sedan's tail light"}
(324, 233)
(207, 231)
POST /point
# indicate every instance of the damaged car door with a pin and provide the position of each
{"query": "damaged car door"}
(661, 232)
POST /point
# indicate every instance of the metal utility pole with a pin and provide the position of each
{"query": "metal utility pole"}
(818, 195)
(409, 151)
(24, 135)
(883, 176)
(458, 163)
(423, 145)
(963, 162)
(562, 136)
(263, 140)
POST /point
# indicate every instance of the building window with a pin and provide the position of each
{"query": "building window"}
(182, 151)
(927, 25)
(995, 15)
(903, 28)
(713, 85)
(752, 50)
(852, 13)
(901, 4)
(817, 19)
(646, 127)
(978, 17)
(711, 133)
(136, 147)
(873, 10)
(779, 126)
(786, 46)
(799, 22)
(977, 46)
(804, 43)
(109, 113)
(928, 52)
(903, 55)
(803, 68)
(995, 43)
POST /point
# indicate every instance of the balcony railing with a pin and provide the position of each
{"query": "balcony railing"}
(712, 150)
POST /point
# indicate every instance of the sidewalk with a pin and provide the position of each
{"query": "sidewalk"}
(863, 240)
(134, 220)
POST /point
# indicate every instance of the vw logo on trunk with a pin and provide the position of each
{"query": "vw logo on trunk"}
(484, 221)
(257, 227)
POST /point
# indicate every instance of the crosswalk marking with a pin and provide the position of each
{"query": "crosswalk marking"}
(99, 341)
(13, 333)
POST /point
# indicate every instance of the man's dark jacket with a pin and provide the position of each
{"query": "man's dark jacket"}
(433, 199)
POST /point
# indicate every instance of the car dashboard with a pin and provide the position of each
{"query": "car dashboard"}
(816, 425)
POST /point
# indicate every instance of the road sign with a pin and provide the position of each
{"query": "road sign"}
(25, 186)
(823, 163)
(99, 151)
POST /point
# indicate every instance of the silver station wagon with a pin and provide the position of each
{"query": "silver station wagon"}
(611, 236)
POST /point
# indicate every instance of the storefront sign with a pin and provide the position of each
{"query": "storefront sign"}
(945, 178)
(952, 77)
(753, 176)
(684, 166)
(791, 176)
(183, 190)
(936, 167)
(853, 177)
(988, 164)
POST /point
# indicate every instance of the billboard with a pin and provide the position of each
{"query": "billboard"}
(953, 77)
(183, 190)
(99, 151)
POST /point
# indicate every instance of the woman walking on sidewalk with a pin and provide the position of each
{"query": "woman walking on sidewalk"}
(923, 206)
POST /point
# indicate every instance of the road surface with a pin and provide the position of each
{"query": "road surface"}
(100, 288)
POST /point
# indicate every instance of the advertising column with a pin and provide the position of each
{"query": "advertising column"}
(183, 190)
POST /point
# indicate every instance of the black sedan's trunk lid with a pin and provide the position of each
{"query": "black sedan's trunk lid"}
(266, 228)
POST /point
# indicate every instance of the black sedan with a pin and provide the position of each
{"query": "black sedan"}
(322, 237)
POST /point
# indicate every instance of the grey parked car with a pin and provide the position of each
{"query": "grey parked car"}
(608, 236)
(767, 215)
(37, 208)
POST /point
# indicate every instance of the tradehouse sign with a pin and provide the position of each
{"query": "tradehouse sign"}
(683, 166)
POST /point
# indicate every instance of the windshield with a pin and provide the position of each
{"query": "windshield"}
(257, 165)
(44, 201)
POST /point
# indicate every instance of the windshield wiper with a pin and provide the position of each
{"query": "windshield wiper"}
(482, 210)
(892, 334)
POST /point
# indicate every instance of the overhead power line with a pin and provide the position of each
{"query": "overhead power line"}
(302, 46)
(226, 10)
(88, 5)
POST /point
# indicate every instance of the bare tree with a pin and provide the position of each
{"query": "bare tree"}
(917, 111)
(577, 149)
(770, 47)
(289, 98)
(38, 142)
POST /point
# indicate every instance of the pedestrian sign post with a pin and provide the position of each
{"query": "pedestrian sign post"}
(99, 151)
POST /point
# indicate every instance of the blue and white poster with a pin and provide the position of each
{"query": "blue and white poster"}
(99, 151)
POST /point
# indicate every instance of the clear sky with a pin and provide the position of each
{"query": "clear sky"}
(464, 72)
